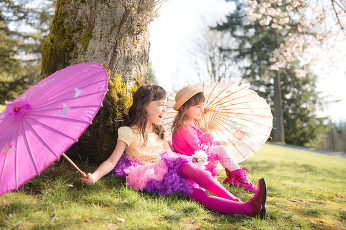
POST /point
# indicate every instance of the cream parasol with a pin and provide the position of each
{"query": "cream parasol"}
(236, 115)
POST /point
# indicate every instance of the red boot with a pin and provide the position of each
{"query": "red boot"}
(259, 199)
(238, 178)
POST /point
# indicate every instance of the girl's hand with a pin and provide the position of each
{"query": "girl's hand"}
(89, 180)
(211, 128)
(205, 130)
(106, 166)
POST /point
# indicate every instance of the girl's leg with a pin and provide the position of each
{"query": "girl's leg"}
(235, 174)
(220, 204)
(255, 207)
(225, 160)
(205, 180)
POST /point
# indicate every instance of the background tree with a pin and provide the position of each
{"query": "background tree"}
(252, 46)
(208, 60)
(113, 33)
(343, 135)
(300, 102)
(305, 25)
(297, 26)
(335, 137)
(22, 31)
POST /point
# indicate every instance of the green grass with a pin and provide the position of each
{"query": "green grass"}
(2, 107)
(305, 191)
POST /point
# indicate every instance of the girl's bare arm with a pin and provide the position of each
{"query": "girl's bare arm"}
(107, 165)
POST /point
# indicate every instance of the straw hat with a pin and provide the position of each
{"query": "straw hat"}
(185, 94)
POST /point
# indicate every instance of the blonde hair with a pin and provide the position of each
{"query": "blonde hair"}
(181, 117)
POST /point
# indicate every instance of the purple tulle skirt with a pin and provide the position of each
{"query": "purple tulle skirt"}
(162, 177)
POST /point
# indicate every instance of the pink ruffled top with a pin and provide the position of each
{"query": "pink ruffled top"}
(186, 140)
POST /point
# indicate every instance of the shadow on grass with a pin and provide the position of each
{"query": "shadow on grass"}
(188, 210)
(313, 212)
(14, 207)
(314, 215)
(268, 166)
(66, 224)
(305, 170)
(342, 217)
(173, 217)
(261, 166)
(299, 168)
(312, 170)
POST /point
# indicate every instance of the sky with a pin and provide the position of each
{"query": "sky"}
(173, 33)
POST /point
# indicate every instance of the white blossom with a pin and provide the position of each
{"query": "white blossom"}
(309, 19)
(284, 20)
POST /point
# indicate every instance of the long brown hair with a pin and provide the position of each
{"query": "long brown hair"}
(137, 115)
(182, 112)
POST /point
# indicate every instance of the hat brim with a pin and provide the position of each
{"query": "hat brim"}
(187, 97)
(176, 107)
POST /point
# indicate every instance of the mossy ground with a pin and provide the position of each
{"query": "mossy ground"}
(305, 191)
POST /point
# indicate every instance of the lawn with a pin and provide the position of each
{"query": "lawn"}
(305, 191)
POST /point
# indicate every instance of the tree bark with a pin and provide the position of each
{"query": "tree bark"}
(110, 32)
(113, 33)
(278, 134)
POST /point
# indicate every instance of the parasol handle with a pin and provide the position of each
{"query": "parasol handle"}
(74, 165)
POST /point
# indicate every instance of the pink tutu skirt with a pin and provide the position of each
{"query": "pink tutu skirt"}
(162, 177)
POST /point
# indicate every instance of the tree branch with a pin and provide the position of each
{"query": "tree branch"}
(337, 16)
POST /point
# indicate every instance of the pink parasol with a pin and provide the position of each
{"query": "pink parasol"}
(41, 124)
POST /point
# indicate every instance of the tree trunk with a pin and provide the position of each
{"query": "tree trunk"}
(113, 33)
(278, 134)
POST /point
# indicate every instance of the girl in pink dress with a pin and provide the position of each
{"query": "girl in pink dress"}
(143, 156)
(189, 140)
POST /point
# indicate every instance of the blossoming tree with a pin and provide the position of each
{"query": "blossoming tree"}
(303, 23)
(255, 45)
